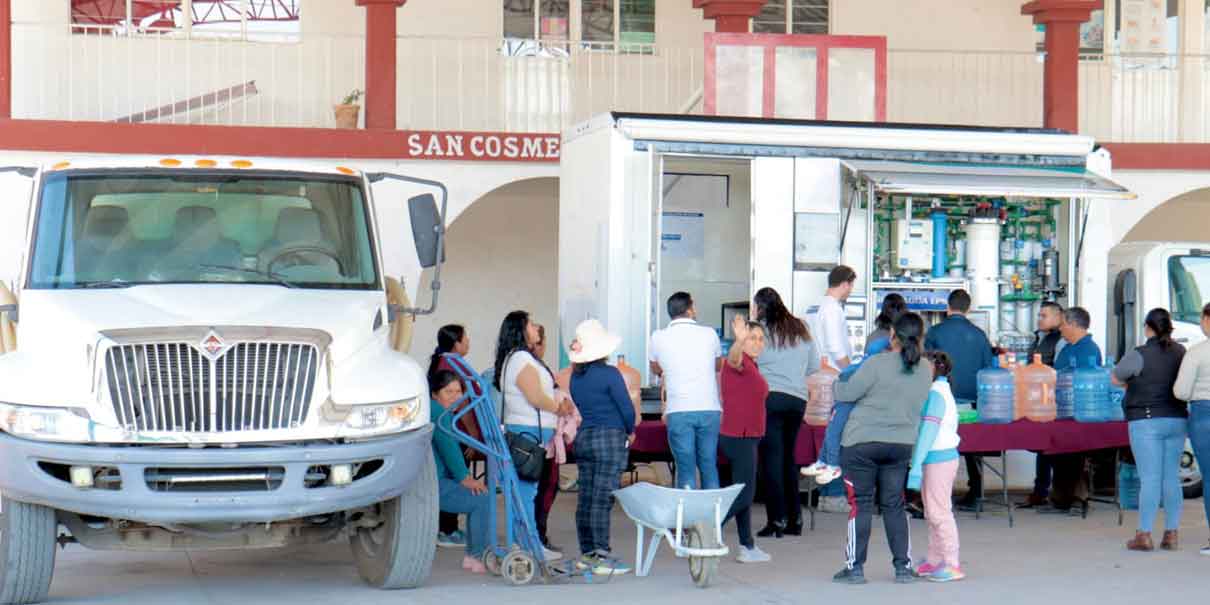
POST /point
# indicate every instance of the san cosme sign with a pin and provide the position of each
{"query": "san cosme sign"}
(483, 147)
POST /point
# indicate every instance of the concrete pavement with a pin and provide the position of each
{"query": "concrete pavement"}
(1042, 559)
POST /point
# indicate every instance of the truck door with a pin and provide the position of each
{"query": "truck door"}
(1188, 273)
(16, 190)
(403, 209)
(1123, 327)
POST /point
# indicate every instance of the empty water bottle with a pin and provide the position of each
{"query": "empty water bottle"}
(1065, 404)
(1091, 387)
(996, 389)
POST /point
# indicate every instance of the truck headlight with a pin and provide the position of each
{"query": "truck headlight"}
(383, 418)
(48, 424)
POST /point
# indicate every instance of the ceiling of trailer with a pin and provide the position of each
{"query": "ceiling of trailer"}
(986, 181)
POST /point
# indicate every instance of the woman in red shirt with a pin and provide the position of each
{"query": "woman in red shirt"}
(743, 392)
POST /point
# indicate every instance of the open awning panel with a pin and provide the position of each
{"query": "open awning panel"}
(904, 178)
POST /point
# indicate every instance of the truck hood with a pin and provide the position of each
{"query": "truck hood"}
(59, 331)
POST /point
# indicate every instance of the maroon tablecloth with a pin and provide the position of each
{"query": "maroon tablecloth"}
(651, 438)
(1019, 435)
(1069, 436)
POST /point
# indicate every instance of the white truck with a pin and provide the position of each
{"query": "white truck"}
(205, 353)
(1172, 275)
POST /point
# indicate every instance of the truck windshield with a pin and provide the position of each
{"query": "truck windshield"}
(122, 228)
(1188, 286)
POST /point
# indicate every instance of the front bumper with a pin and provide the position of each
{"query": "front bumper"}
(24, 480)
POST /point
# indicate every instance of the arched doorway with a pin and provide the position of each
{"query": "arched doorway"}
(501, 255)
(1183, 218)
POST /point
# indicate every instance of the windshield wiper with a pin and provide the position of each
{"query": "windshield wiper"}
(98, 285)
(274, 276)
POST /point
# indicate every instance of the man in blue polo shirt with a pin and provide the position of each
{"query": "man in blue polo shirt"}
(970, 351)
(1070, 479)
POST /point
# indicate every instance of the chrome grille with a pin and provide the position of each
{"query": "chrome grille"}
(174, 387)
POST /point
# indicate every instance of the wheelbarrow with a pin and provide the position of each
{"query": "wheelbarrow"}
(690, 520)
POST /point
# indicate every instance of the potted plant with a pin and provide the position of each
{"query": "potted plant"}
(348, 110)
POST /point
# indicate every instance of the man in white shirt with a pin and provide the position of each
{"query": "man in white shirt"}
(686, 356)
(831, 331)
(831, 327)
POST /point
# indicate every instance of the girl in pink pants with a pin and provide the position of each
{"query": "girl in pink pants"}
(934, 465)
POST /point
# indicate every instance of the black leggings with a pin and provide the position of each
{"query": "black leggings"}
(779, 471)
(741, 454)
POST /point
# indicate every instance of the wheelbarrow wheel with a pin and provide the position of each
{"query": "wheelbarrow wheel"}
(491, 560)
(519, 568)
(702, 569)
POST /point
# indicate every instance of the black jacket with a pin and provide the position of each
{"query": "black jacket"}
(1149, 393)
(1046, 345)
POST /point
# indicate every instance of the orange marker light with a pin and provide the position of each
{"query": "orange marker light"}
(170, 162)
(241, 164)
(345, 170)
(205, 163)
(60, 166)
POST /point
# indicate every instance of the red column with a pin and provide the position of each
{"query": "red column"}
(1061, 75)
(6, 59)
(380, 62)
(730, 16)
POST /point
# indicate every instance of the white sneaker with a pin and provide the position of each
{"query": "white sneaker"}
(828, 474)
(813, 469)
(1205, 551)
(551, 555)
(752, 555)
(834, 504)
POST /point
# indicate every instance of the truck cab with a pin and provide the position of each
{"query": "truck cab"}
(207, 353)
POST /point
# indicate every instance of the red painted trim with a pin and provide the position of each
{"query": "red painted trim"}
(1159, 156)
(821, 83)
(770, 42)
(769, 83)
(6, 59)
(248, 141)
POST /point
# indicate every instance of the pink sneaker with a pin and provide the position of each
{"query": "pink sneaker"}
(926, 570)
(473, 565)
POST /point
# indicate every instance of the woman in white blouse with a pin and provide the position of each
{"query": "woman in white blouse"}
(532, 404)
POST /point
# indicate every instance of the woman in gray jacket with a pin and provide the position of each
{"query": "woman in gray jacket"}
(789, 357)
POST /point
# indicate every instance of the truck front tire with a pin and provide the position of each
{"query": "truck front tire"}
(399, 552)
(27, 542)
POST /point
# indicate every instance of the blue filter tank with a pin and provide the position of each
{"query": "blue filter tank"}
(940, 245)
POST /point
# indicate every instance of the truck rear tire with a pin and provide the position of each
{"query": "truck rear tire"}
(27, 542)
(399, 552)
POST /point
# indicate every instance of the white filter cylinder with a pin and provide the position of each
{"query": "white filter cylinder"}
(1025, 318)
(960, 252)
(1008, 316)
(983, 266)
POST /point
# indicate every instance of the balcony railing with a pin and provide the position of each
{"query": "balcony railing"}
(491, 84)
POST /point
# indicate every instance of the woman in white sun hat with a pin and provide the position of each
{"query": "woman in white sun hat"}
(602, 441)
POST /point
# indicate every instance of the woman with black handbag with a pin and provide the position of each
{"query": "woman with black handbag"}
(531, 405)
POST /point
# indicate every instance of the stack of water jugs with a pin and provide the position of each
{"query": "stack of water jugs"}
(819, 397)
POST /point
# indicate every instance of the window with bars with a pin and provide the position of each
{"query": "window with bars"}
(256, 20)
(793, 17)
(628, 23)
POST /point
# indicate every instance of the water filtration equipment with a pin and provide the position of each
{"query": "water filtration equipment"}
(983, 265)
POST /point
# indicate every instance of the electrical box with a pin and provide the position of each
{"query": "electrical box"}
(912, 242)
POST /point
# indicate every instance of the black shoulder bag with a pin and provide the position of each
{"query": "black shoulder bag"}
(527, 451)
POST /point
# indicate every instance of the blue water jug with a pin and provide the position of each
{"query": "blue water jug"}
(996, 395)
(1091, 388)
(1065, 403)
(1117, 396)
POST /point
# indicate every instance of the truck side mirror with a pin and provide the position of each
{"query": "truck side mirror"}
(427, 230)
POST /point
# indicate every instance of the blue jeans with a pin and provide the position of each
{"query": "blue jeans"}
(830, 454)
(1157, 444)
(1199, 434)
(454, 498)
(693, 439)
(529, 489)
